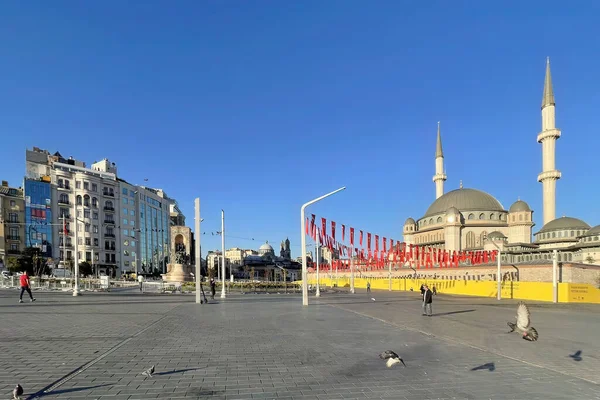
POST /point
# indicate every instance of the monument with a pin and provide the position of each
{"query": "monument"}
(179, 267)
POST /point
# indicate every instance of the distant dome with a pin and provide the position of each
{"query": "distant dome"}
(519, 206)
(496, 235)
(563, 223)
(594, 231)
(410, 221)
(464, 200)
(266, 247)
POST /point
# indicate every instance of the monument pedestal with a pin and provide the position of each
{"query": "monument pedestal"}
(178, 273)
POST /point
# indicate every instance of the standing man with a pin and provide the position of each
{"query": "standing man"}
(213, 288)
(140, 280)
(427, 300)
(368, 287)
(25, 286)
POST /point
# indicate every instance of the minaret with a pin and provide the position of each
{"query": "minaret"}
(548, 138)
(439, 176)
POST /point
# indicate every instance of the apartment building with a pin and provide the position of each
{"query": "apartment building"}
(12, 222)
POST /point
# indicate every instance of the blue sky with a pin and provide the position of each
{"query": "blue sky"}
(259, 106)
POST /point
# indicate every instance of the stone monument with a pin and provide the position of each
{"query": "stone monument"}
(179, 267)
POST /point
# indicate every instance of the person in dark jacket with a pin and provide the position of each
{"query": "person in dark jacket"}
(213, 288)
(427, 300)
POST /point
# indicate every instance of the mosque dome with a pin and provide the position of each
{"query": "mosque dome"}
(266, 247)
(496, 235)
(519, 206)
(464, 200)
(410, 221)
(564, 223)
(594, 231)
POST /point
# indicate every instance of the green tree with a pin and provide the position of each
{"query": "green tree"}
(85, 268)
(13, 264)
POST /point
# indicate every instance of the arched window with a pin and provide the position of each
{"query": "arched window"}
(108, 204)
(94, 202)
(430, 221)
(513, 218)
(78, 200)
(553, 235)
(470, 239)
(482, 237)
(471, 216)
(482, 216)
(86, 200)
(439, 220)
(520, 217)
(492, 216)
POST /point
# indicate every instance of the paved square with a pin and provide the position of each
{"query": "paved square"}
(270, 347)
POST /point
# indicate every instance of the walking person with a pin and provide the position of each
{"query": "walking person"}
(141, 281)
(368, 287)
(213, 288)
(25, 286)
(427, 300)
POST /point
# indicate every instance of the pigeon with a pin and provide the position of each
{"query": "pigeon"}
(576, 356)
(392, 358)
(149, 371)
(373, 298)
(17, 392)
(523, 324)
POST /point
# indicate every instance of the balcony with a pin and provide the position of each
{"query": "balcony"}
(109, 194)
(66, 246)
(63, 201)
(106, 208)
(63, 187)
(12, 221)
(13, 237)
(109, 221)
(109, 235)
(110, 248)
(65, 216)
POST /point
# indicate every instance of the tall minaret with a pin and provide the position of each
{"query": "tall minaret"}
(548, 138)
(439, 176)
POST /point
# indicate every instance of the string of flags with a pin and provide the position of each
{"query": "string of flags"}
(376, 253)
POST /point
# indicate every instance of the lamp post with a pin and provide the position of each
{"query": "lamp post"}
(303, 241)
(76, 255)
(198, 256)
(318, 256)
(555, 276)
(223, 295)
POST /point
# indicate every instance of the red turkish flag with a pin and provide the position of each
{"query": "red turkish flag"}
(333, 229)
(368, 241)
(343, 232)
(385, 245)
(351, 236)
(323, 226)
(361, 239)
(376, 242)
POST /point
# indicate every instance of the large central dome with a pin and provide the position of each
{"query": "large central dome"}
(464, 200)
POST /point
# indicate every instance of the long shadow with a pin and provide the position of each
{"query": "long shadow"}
(489, 366)
(576, 356)
(453, 312)
(176, 371)
(72, 390)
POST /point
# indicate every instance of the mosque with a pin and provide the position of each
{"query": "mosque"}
(470, 219)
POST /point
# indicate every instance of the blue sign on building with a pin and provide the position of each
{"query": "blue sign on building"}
(38, 216)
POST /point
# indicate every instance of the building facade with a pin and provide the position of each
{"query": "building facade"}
(12, 222)
(470, 219)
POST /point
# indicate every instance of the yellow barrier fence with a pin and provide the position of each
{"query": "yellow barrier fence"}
(537, 291)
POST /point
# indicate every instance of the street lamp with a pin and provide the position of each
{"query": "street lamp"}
(498, 277)
(223, 295)
(303, 240)
(318, 256)
(76, 255)
(198, 220)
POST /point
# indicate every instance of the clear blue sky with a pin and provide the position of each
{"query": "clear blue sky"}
(259, 106)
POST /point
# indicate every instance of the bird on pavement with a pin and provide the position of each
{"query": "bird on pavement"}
(17, 392)
(373, 298)
(149, 371)
(392, 358)
(523, 324)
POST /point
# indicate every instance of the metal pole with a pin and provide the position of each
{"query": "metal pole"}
(76, 257)
(223, 295)
(318, 256)
(555, 276)
(351, 274)
(390, 272)
(198, 258)
(303, 244)
(498, 273)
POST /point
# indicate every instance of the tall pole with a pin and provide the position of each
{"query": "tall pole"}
(555, 276)
(318, 256)
(223, 295)
(303, 243)
(197, 250)
(76, 257)
(498, 274)
(351, 274)
(390, 272)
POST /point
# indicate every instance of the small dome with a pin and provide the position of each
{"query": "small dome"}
(563, 223)
(452, 210)
(496, 235)
(465, 200)
(594, 231)
(266, 247)
(409, 221)
(519, 206)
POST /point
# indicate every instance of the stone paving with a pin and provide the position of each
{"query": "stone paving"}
(258, 346)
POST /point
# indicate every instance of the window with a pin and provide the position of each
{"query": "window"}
(95, 229)
(94, 202)
(88, 256)
(95, 241)
(125, 201)
(132, 213)
(471, 216)
(88, 241)
(125, 191)
(86, 200)
(131, 222)
(13, 203)
(69, 254)
(64, 212)
(78, 200)
(79, 228)
(78, 213)
(63, 198)
(86, 213)
(94, 187)
(86, 185)
(95, 215)
(125, 221)
(87, 228)
(132, 243)
(125, 212)
(12, 217)
(125, 232)
(470, 239)
(79, 241)
(492, 216)
(78, 184)
(482, 216)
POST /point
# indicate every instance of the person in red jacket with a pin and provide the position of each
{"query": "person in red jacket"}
(24, 279)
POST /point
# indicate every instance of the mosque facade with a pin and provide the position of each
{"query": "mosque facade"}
(468, 219)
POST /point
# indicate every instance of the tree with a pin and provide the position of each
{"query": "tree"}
(85, 268)
(13, 264)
